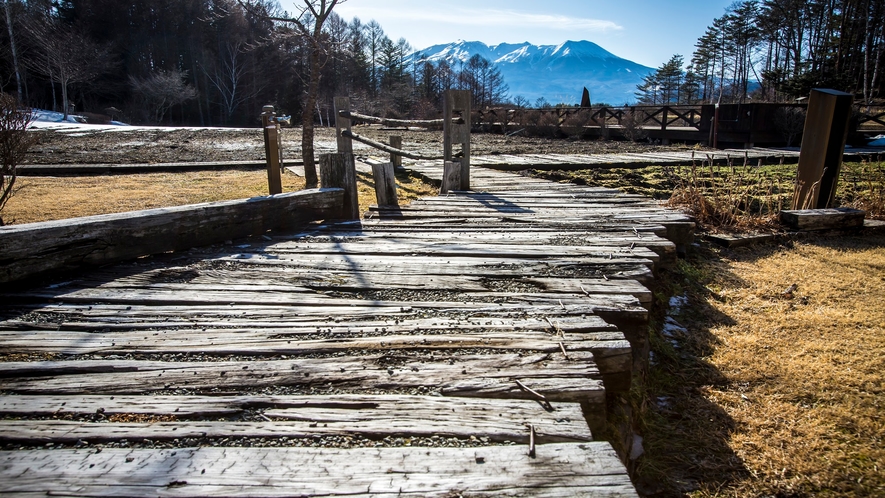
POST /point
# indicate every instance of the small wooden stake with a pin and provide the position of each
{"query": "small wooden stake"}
(385, 184)
(451, 177)
(396, 142)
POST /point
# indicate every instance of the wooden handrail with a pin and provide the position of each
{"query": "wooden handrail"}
(387, 148)
(395, 122)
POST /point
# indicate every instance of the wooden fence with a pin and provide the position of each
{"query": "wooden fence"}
(732, 125)
(456, 132)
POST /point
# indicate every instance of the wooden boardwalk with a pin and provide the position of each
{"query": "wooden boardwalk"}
(463, 345)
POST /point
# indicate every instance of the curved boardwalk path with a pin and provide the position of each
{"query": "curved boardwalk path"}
(464, 345)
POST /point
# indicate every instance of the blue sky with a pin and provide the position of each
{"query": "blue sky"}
(645, 31)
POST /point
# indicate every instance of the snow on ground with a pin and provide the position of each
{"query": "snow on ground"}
(55, 121)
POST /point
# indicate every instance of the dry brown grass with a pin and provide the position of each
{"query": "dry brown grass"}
(773, 394)
(53, 198)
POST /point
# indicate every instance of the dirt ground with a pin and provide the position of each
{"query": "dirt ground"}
(170, 145)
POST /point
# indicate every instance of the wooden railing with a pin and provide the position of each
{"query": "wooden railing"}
(649, 117)
(658, 117)
(870, 118)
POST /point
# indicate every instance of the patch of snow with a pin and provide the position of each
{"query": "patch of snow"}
(677, 303)
(672, 328)
(54, 121)
(636, 449)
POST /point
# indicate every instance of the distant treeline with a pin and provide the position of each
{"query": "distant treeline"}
(778, 50)
(214, 62)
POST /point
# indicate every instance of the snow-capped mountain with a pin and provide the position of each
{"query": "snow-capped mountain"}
(557, 73)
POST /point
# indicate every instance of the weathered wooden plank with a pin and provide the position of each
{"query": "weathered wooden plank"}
(607, 264)
(489, 248)
(181, 295)
(37, 248)
(288, 315)
(337, 325)
(823, 219)
(247, 342)
(470, 375)
(565, 469)
(305, 281)
(373, 417)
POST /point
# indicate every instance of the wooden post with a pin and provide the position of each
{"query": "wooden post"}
(823, 144)
(396, 142)
(345, 145)
(272, 150)
(385, 184)
(339, 171)
(714, 130)
(451, 177)
(457, 104)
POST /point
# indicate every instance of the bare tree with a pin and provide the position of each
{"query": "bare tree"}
(227, 78)
(309, 24)
(14, 142)
(9, 27)
(67, 56)
(162, 90)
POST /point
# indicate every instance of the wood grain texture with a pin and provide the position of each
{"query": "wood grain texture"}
(567, 469)
(301, 417)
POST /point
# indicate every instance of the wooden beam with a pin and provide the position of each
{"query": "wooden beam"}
(458, 375)
(565, 469)
(35, 249)
(823, 219)
(373, 416)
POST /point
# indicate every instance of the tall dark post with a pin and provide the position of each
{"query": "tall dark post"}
(823, 144)
(272, 150)
(457, 105)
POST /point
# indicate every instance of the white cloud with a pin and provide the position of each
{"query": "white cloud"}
(482, 17)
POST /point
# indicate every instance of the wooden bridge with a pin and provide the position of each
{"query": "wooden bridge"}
(466, 344)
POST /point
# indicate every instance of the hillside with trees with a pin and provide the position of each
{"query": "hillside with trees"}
(777, 51)
(215, 62)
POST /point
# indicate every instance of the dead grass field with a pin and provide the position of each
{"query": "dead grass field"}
(770, 393)
(53, 198)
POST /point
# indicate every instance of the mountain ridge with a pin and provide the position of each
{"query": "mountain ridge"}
(557, 73)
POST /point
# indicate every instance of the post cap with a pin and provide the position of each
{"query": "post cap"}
(267, 109)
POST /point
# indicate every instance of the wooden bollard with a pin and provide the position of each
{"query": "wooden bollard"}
(451, 179)
(385, 184)
(396, 142)
(272, 150)
(823, 144)
(339, 171)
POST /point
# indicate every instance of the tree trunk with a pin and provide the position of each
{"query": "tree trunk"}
(18, 77)
(64, 100)
(310, 170)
